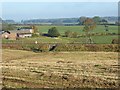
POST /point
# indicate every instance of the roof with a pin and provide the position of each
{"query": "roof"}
(23, 30)
(2, 32)
(20, 31)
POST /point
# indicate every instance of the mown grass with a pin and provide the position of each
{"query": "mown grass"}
(25, 69)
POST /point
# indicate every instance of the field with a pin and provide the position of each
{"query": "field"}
(26, 69)
(62, 69)
(100, 35)
(105, 39)
(79, 29)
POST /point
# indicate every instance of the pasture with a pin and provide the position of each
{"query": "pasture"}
(105, 39)
(78, 29)
(100, 36)
(26, 69)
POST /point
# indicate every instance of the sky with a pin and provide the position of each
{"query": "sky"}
(59, 0)
(42, 10)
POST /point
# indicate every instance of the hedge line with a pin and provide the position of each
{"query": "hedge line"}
(88, 47)
(44, 47)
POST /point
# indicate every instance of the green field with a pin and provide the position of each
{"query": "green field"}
(102, 36)
(79, 29)
(42, 39)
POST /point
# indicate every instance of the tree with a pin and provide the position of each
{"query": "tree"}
(35, 29)
(89, 25)
(81, 20)
(53, 32)
(97, 19)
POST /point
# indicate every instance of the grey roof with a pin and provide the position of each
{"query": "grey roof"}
(20, 31)
(26, 28)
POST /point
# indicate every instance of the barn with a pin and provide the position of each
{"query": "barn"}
(20, 33)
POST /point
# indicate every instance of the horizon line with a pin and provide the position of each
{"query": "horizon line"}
(57, 18)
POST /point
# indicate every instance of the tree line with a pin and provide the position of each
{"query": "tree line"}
(10, 24)
(60, 21)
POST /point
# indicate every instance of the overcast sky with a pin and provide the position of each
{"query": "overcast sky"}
(32, 10)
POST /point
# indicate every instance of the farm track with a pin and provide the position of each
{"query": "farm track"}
(27, 69)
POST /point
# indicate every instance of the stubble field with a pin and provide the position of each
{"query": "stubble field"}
(26, 69)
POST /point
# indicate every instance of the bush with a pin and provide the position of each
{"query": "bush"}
(53, 32)
(88, 47)
(92, 47)
(74, 35)
(114, 33)
(64, 47)
(115, 41)
(44, 47)
(38, 47)
(30, 47)
(71, 34)
(68, 33)
(35, 35)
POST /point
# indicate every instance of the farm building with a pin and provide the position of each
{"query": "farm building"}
(20, 33)
(24, 33)
(13, 36)
(9, 35)
(30, 29)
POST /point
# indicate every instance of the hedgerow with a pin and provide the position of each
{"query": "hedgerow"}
(45, 47)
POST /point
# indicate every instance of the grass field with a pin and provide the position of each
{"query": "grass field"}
(98, 39)
(105, 39)
(79, 29)
(25, 69)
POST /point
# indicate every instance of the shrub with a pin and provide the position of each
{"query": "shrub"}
(92, 47)
(115, 41)
(53, 32)
(35, 35)
(114, 33)
(74, 34)
(44, 47)
(68, 33)
(71, 34)
(64, 47)
(88, 47)
(29, 47)
(36, 47)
